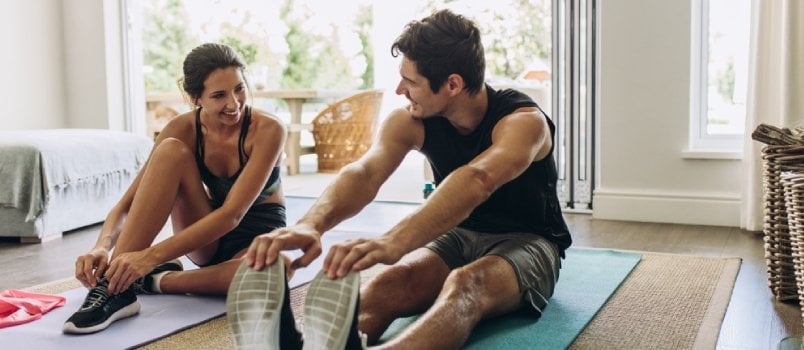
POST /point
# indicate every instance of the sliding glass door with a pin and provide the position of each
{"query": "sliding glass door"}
(545, 48)
(575, 62)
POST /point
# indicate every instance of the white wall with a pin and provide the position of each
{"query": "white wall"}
(644, 122)
(63, 68)
(93, 64)
(32, 89)
(63, 65)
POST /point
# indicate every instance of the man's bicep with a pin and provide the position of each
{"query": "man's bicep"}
(516, 143)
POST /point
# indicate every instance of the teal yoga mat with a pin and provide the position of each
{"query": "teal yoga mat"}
(588, 278)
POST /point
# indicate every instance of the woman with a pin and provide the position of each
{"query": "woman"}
(215, 172)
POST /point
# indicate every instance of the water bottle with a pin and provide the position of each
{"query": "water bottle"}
(428, 188)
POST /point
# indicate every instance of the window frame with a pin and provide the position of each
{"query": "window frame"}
(701, 143)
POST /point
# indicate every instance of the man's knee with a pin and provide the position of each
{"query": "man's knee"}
(473, 291)
(395, 278)
(402, 288)
(464, 288)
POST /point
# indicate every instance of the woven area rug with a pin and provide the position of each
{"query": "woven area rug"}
(667, 302)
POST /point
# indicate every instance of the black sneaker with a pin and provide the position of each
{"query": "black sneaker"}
(328, 306)
(100, 309)
(258, 309)
(145, 284)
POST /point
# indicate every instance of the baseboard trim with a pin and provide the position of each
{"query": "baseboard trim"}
(715, 209)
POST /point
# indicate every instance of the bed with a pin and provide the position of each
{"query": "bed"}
(57, 180)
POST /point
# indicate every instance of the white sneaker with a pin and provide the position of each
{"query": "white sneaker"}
(258, 309)
(330, 313)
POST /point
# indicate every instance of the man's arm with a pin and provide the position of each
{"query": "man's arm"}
(518, 140)
(357, 183)
(354, 187)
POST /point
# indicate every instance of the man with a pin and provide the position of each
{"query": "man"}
(488, 240)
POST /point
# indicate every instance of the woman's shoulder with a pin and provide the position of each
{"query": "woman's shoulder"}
(181, 125)
(263, 119)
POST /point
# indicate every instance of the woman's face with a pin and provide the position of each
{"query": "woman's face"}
(224, 95)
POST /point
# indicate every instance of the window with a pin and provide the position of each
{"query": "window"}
(720, 74)
(544, 48)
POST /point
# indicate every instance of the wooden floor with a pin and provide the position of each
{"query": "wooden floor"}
(753, 320)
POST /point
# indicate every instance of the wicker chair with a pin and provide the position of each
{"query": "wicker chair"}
(344, 130)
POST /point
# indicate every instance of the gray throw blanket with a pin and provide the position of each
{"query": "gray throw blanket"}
(34, 161)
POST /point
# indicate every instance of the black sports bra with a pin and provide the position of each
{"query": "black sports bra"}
(218, 186)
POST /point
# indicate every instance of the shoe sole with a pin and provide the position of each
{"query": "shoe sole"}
(128, 311)
(254, 306)
(329, 308)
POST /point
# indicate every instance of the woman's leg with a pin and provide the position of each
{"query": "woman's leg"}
(213, 280)
(170, 185)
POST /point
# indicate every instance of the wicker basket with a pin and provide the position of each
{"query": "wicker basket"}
(344, 130)
(778, 244)
(793, 185)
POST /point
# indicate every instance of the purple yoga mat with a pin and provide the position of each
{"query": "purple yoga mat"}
(160, 315)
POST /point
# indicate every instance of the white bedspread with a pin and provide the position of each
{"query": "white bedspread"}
(32, 162)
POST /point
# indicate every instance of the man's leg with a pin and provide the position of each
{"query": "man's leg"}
(483, 288)
(406, 288)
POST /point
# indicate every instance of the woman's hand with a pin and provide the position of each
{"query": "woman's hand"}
(89, 268)
(126, 268)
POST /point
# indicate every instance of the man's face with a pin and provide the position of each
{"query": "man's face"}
(416, 88)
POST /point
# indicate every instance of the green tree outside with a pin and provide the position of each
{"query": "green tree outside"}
(514, 35)
(165, 43)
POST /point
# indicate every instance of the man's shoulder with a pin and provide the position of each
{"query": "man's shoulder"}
(511, 96)
(400, 126)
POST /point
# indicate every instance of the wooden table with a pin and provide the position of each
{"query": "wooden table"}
(295, 99)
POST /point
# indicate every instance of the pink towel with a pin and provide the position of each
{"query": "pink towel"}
(18, 307)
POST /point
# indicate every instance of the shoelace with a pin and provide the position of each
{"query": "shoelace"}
(139, 286)
(97, 296)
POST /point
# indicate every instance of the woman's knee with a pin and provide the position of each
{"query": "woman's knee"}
(173, 150)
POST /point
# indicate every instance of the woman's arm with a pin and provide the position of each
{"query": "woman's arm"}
(90, 266)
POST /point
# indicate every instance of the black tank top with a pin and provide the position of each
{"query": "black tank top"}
(219, 187)
(528, 203)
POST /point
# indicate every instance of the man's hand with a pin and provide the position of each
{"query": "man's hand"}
(360, 254)
(265, 248)
(91, 266)
(126, 268)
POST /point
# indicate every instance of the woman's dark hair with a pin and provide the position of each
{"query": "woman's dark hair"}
(442, 44)
(204, 59)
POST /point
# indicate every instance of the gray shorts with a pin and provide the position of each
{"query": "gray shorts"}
(535, 260)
